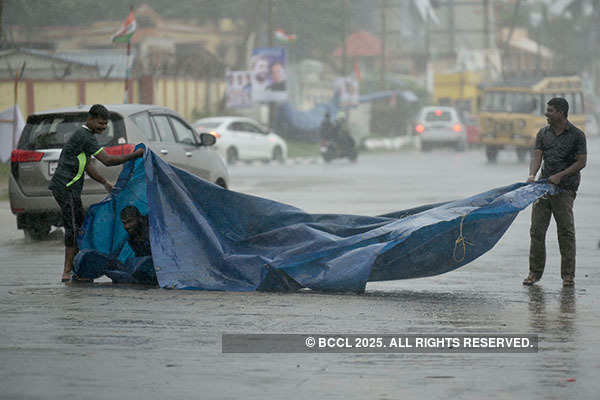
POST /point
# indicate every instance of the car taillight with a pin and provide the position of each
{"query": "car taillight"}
(18, 156)
(420, 128)
(457, 128)
(119, 149)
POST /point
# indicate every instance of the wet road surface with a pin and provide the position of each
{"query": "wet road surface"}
(104, 341)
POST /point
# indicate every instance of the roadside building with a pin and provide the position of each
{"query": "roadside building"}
(174, 63)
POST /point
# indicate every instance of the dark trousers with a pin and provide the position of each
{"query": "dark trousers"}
(92, 264)
(72, 214)
(561, 207)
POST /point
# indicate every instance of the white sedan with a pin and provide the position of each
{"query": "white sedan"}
(243, 139)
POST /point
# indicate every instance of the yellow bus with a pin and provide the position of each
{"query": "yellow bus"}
(457, 89)
(512, 113)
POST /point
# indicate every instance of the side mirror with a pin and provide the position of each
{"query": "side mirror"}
(206, 139)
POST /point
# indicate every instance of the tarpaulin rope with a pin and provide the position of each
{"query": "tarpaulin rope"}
(461, 241)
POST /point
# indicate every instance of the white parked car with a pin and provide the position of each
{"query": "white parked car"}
(240, 138)
(439, 126)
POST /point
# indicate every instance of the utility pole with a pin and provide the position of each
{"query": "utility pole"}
(452, 26)
(486, 34)
(383, 43)
(506, 47)
(344, 55)
(1, 25)
(427, 50)
(270, 42)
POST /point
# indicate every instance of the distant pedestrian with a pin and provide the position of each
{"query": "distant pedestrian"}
(562, 147)
(67, 182)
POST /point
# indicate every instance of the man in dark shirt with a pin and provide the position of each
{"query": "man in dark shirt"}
(92, 264)
(562, 147)
(137, 227)
(67, 182)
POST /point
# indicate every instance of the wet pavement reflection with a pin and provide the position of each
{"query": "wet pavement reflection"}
(102, 340)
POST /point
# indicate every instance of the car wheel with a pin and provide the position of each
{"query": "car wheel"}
(37, 232)
(491, 153)
(425, 146)
(461, 146)
(278, 154)
(232, 155)
(353, 156)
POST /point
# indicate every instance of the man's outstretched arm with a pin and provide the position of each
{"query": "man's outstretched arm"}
(110, 160)
(91, 170)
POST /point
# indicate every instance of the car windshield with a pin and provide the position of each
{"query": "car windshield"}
(438, 116)
(53, 131)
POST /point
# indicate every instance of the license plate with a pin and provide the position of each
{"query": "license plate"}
(52, 165)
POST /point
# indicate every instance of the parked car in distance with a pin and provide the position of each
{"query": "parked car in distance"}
(35, 159)
(243, 139)
(439, 126)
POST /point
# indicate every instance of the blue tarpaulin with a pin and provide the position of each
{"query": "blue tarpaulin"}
(209, 238)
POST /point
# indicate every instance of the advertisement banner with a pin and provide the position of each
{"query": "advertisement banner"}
(238, 92)
(347, 91)
(268, 73)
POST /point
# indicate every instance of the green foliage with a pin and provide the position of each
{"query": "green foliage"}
(572, 37)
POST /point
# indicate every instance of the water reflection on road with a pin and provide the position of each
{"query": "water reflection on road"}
(59, 341)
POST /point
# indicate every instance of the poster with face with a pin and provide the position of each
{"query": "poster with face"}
(268, 73)
(238, 92)
(346, 88)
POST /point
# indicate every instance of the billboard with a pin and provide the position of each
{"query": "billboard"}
(346, 91)
(268, 75)
(238, 92)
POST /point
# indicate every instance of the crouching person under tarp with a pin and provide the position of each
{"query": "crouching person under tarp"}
(92, 264)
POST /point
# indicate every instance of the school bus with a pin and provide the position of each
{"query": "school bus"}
(512, 112)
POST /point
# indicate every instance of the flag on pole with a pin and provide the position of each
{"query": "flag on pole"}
(126, 31)
(281, 36)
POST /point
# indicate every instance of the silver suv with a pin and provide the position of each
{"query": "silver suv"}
(34, 161)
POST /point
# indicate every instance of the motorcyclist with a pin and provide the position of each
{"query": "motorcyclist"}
(343, 138)
(327, 129)
(337, 142)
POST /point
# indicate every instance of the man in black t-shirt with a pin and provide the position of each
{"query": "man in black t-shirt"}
(562, 147)
(67, 182)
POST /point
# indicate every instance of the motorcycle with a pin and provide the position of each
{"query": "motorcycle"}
(339, 148)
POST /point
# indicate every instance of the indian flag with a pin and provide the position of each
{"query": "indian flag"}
(283, 37)
(125, 33)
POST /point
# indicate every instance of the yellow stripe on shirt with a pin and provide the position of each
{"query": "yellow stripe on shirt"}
(81, 157)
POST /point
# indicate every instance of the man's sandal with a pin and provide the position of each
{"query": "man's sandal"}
(530, 280)
(568, 282)
(66, 277)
